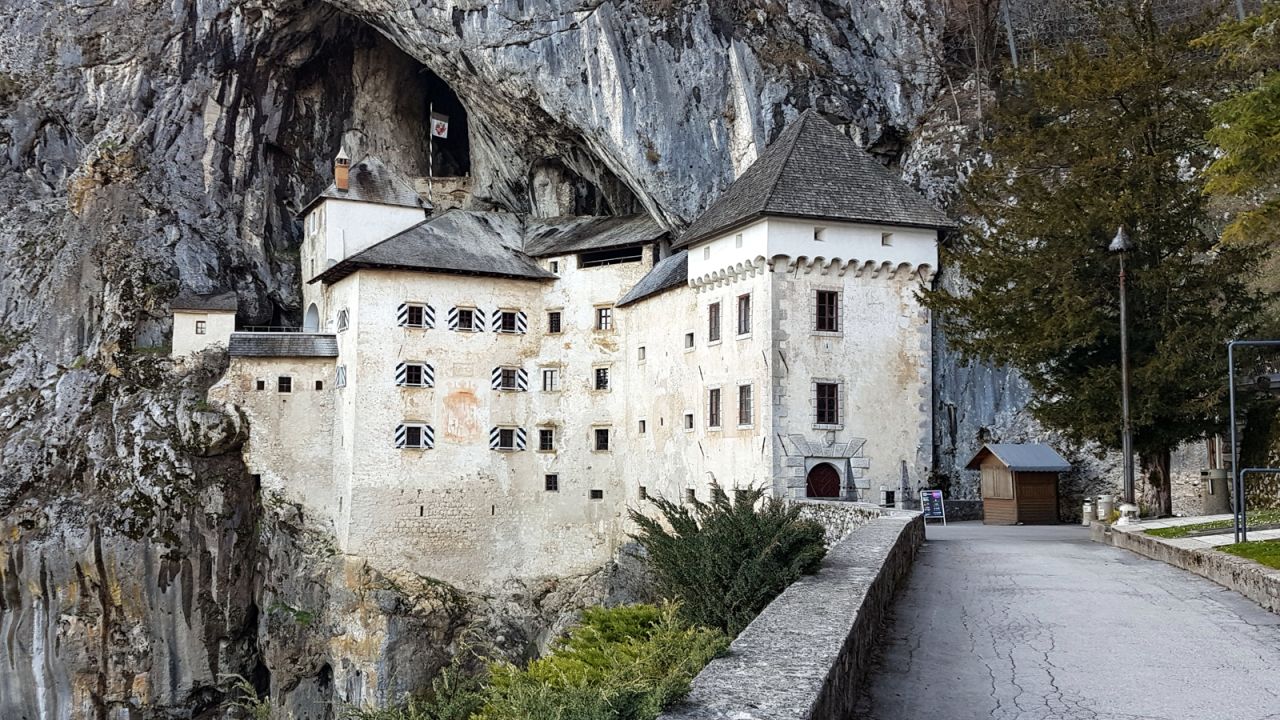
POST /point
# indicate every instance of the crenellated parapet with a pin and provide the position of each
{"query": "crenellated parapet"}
(813, 265)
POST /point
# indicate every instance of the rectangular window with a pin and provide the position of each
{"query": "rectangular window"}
(416, 316)
(688, 421)
(506, 439)
(819, 234)
(319, 384)
(507, 321)
(416, 436)
(553, 322)
(688, 341)
(737, 240)
(555, 267)
(344, 319)
(546, 439)
(604, 318)
(599, 258)
(552, 483)
(827, 403)
(200, 327)
(827, 317)
(259, 384)
(691, 495)
(744, 405)
(713, 407)
(644, 493)
(284, 384)
(508, 378)
(413, 436)
(413, 375)
(886, 239)
(466, 319)
(642, 427)
(640, 354)
(602, 439)
(744, 314)
(340, 376)
(597, 494)
(550, 379)
(602, 378)
(713, 322)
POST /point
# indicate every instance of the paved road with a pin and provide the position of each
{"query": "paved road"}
(1038, 622)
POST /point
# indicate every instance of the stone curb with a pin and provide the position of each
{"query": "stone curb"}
(1259, 583)
(806, 655)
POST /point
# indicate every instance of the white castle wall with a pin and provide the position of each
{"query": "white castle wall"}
(218, 329)
(473, 516)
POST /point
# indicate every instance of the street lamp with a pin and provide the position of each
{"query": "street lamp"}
(1121, 245)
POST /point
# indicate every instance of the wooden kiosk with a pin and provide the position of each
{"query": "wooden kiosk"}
(1019, 483)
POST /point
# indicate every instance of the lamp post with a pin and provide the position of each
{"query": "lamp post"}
(1121, 246)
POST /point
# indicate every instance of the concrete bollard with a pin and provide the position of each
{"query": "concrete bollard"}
(1087, 517)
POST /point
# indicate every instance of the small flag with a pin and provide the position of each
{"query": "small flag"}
(439, 125)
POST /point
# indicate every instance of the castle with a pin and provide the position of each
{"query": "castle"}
(479, 395)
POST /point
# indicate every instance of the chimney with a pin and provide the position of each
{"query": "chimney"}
(341, 166)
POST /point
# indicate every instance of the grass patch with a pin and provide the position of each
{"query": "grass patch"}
(1264, 552)
(1259, 517)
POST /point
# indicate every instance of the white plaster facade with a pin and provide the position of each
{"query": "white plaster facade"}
(196, 330)
(459, 509)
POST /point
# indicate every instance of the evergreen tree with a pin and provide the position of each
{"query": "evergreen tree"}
(1090, 139)
(1247, 125)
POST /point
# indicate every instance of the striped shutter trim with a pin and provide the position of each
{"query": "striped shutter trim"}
(453, 318)
(427, 434)
(428, 316)
(402, 314)
(402, 371)
(479, 321)
(428, 437)
(428, 375)
(522, 380)
(495, 382)
(495, 437)
(497, 321)
(522, 439)
(522, 322)
(401, 431)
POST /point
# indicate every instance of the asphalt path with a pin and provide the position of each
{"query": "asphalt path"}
(1039, 622)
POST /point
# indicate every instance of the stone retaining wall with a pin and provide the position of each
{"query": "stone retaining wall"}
(806, 655)
(1256, 582)
(839, 517)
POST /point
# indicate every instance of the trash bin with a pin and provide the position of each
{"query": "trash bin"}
(1087, 516)
(1216, 495)
(1106, 503)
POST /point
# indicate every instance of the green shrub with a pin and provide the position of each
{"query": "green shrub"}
(724, 561)
(624, 663)
(454, 694)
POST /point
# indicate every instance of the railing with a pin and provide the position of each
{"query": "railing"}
(273, 328)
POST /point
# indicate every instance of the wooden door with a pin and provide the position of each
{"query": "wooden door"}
(823, 482)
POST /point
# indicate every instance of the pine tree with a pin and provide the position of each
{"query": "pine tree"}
(1086, 141)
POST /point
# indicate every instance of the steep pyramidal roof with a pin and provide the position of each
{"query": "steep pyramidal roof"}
(370, 180)
(814, 170)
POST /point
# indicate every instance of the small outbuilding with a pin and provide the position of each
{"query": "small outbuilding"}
(1019, 483)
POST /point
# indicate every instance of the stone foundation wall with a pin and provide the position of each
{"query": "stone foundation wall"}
(796, 662)
(839, 517)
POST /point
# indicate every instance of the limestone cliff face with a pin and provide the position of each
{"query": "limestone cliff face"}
(151, 146)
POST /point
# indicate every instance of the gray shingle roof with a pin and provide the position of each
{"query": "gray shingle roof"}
(814, 170)
(370, 180)
(1022, 457)
(457, 241)
(670, 272)
(216, 302)
(560, 236)
(282, 344)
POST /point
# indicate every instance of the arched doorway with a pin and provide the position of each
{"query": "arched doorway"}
(823, 482)
(311, 322)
